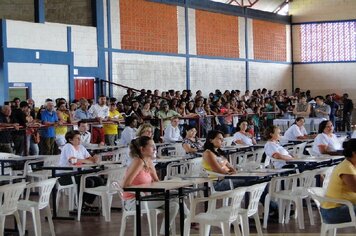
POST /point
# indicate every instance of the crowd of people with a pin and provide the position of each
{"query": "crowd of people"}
(221, 111)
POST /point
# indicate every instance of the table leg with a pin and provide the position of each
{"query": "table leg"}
(138, 214)
(54, 196)
(166, 213)
(2, 168)
(181, 210)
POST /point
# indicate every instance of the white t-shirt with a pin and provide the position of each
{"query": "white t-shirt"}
(97, 111)
(332, 143)
(85, 138)
(127, 135)
(69, 151)
(244, 138)
(293, 132)
(271, 148)
(171, 134)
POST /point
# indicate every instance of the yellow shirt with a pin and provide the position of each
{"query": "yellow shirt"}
(62, 130)
(111, 129)
(337, 188)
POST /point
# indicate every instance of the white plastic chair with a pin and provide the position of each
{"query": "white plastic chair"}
(292, 188)
(221, 217)
(228, 141)
(43, 174)
(255, 193)
(318, 195)
(9, 196)
(298, 149)
(105, 192)
(5, 155)
(282, 124)
(71, 191)
(45, 189)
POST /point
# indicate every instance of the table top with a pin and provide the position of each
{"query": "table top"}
(21, 158)
(235, 147)
(166, 159)
(71, 167)
(166, 185)
(321, 158)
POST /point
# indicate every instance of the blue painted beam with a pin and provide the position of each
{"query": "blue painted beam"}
(4, 85)
(70, 65)
(29, 56)
(40, 11)
(187, 58)
(87, 71)
(110, 75)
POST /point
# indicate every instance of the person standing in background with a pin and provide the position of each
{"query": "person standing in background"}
(347, 112)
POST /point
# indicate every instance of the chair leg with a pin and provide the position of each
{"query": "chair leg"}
(36, 220)
(245, 225)
(225, 228)
(18, 222)
(237, 228)
(258, 224)
(50, 221)
(310, 211)
(323, 230)
(58, 197)
(281, 210)
(299, 208)
(80, 205)
(24, 215)
(266, 211)
(152, 222)
(204, 230)
(2, 225)
(105, 204)
(123, 225)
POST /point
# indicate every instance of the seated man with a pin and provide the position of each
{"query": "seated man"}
(172, 132)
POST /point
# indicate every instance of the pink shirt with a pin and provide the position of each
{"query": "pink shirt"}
(143, 177)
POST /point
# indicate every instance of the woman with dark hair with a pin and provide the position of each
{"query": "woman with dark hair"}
(214, 160)
(326, 141)
(142, 171)
(190, 143)
(342, 185)
(243, 137)
(273, 149)
(297, 130)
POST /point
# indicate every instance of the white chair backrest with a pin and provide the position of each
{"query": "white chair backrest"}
(51, 160)
(45, 189)
(9, 197)
(183, 169)
(298, 149)
(228, 141)
(236, 196)
(326, 172)
(255, 192)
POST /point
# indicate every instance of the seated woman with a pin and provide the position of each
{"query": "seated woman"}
(243, 137)
(75, 153)
(190, 143)
(326, 141)
(172, 132)
(214, 160)
(274, 150)
(130, 130)
(342, 185)
(297, 130)
(142, 171)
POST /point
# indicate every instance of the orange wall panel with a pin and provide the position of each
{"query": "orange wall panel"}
(269, 41)
(217, 34)
(148, 26)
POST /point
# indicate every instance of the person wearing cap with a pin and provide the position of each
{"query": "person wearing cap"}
(165, 113)
(19, 116)
(50, 119)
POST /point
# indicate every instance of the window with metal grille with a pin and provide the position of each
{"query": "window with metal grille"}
(327, 42)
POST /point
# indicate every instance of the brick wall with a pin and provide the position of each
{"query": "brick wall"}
(217, 34)
(148, 26)
(269, 41)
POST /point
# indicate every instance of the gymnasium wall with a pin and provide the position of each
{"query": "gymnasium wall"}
(324, 46)
(144, 44)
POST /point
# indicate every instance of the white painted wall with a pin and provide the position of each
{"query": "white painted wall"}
(270, 76)
(322, 10)
(192, 32)
(115, 23)
(181, 30)
(29, 35)
(148, 71)
(48, 81)
(242, 48)
(322, 79)
(84, 46)
(208, 75)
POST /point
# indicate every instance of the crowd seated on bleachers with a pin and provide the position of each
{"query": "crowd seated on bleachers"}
(221, 111)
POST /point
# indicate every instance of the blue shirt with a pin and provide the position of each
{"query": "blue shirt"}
(47, 116)
(82, 115)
